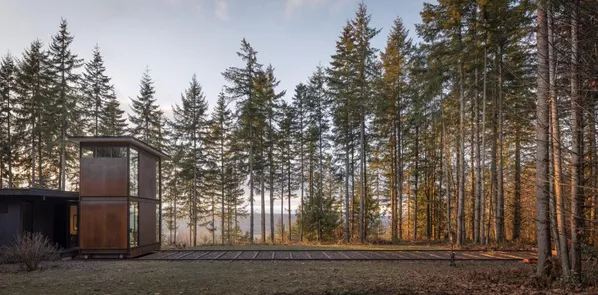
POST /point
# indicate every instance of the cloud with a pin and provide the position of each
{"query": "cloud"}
(222, 10)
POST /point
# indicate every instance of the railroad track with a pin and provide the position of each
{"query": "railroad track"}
(335, 255)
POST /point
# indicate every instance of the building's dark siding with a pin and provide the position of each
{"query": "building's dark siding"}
(10, 222)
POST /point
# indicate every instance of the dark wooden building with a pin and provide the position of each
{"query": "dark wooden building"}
(49, 212)
(119, 197)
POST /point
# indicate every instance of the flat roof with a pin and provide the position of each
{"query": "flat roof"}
(120, 139)
(38, 192)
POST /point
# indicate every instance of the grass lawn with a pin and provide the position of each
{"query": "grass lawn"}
(271, 277)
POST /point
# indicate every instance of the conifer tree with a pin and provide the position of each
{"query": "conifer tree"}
(365, 72)
(395, 61)
(34, 134)
(145, 113)
(65, 79)
(8, 101)
(190, 126)
(97, 91)
(112, 120)
(242, 89)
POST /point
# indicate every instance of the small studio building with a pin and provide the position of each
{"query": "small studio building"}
(116, 213)
(120, 196)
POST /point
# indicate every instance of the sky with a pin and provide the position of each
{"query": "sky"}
(179, 38)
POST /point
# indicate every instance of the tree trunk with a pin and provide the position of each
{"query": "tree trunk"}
(481, 178)
(517, 192)
(556, 151)
(363, 180)
(500, 200)
(543, 226)
(577, 151)
(461, 172)
(416, 183)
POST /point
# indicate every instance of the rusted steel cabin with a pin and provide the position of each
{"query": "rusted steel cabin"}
(119, 196)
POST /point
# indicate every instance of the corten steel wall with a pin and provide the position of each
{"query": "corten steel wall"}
(148, 204)
(105, 202)
(103, 177)
(103, 224)
(103, 209)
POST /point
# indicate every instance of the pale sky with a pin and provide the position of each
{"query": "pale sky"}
(176, 38)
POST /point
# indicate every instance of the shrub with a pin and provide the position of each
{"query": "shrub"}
(29, 250)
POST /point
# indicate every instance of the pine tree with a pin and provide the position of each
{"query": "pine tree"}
(242, 89)
(395, 63)
(190, 126)
(300, 124)
(112, 120)
(365, 73)
(65, 79)
(97, 91)
(8, 101)
(145, 113)
(34, 134)
(343, 93)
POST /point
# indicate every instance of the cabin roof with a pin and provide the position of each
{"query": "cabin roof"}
(120, 139)
(38, 192)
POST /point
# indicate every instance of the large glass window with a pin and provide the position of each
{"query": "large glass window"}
(134, 224)
(103, 152)
(133, 172)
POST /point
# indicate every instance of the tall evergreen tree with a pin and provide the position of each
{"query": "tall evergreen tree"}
(96, 90)
(242, 89)
(64, 87)
(145, 113)
(34, 135)
(190, 125)
(8, 101)
(112, 120)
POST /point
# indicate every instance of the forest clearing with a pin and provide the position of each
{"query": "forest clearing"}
(157, 277)
(362, 142)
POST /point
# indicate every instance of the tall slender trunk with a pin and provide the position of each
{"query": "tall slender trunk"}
(477, 176)
(461, 171)
(446, 181)
(301, 178)
(517, 192)
(251, 185)
(282, 184)
(262, 195)
(416, 192)
(194, 189)
(577, 151)
(10, 143)
(482, 165)
(289, 192)
(500, 201)
(362, 185)
(321, 172)
(271, 184)
(393, 185)
(399, 149)
(222, 183)
(542, 223)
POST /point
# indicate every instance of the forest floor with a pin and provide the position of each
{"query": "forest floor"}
(274, 277)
